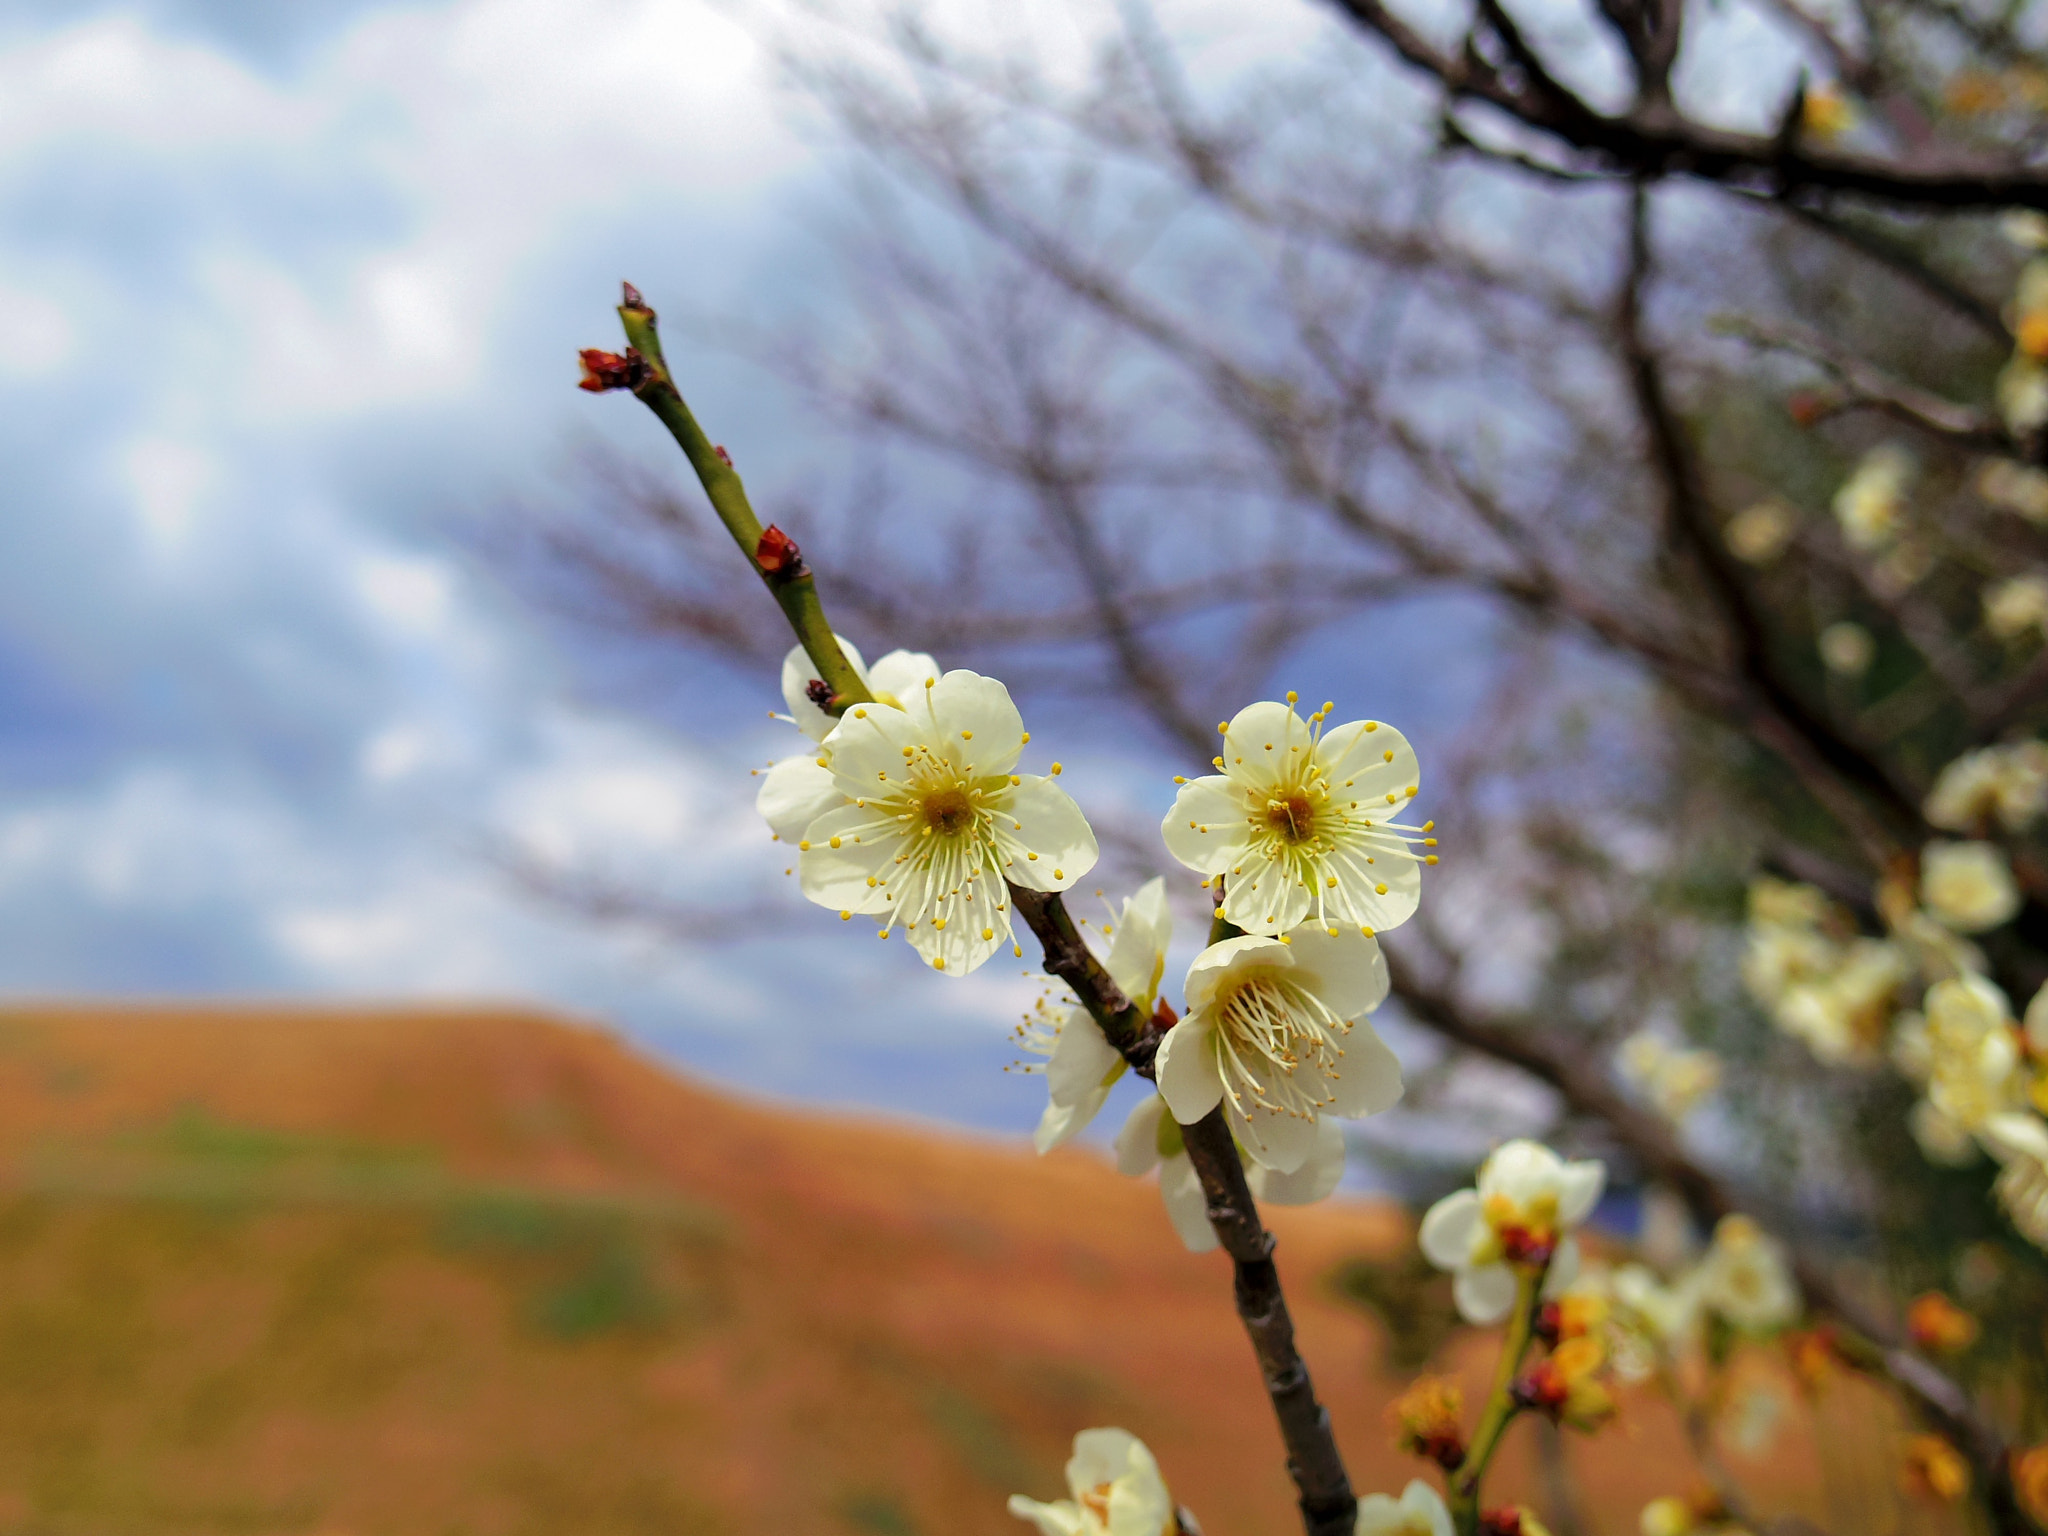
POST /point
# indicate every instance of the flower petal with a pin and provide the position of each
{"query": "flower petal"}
(1579, 1187)
(1137, 1144)
(975, 716)
(1371, 763)
(1484, 1295)
(797, 675)
(1186, 1206)
(971, 933)
(1039, 818)
(1186, 1066)
(1206, 829)
(1082, 1063)
(1357, 900)
(1448, 1230)
(1368, 1080)
(1349, 972)
(1267, 744)
(1058, 1124)
(1281, 1142)
(1218, 963)
(901, 675)
(1100, 1456)
(851, 877)
(1425, 1509)
(794, 793)
(1316, 1179)
(1564, 1269)
(1137, 953)
(1139, 1504)
(867, 750)
(1263, 894)
(1060, 1519)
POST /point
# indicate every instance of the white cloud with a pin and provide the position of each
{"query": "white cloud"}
(411, 594)
(36, 334)
(167, 476)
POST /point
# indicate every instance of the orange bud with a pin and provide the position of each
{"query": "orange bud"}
(777, 553)
(1933, 1469)
(1425, 1420)
(1939, 1326)
(2030, 1482)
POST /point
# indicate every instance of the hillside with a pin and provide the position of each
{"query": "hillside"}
(488, 1272)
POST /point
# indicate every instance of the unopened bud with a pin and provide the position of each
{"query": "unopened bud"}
(723, 457)
(1163, 1016)
(629, 298)
(777, 554)
(612, 370)
(1425, 1421)
(1939, 1326)
(819, 692)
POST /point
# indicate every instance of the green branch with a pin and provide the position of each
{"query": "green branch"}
(1501, 1407)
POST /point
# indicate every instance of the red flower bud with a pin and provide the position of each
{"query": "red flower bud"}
(777, 553)
(1164, 1016)
(610, 370)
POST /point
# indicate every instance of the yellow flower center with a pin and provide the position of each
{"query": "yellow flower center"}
(947, 811)
(1293, 816)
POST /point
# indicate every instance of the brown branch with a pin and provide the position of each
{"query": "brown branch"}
(1328, 1507)
(1652, 140)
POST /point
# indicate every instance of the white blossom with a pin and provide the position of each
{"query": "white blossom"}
(2009, 783)
(1745, 1278)
(1274, 1032)
(1871, 504)
(1521, 1215)
(1151, 1138)
(1419, 1511)
(798, 790)
(1116, 1488)
(936, 821)
(2020, 1143)
(1300, 822)
(2022, 394)
(1669, 1315)
(1847, 649)
(1675, 1080)
(2017, 605)
(1972, 1066)
(1758, 534)
(2017, 488)
(1081, 1067)
(1968, 886)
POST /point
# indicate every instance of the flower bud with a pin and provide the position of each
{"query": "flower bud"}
(1425, 1419)
(1939, 1326)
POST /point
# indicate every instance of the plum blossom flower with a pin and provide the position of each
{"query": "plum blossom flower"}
(1300, 822)
(1151, 1138)
(1745, 1280)
(1871, 504)
(1968, 886)
(1081, 1067)
(1517, 1221)
(2020, 1143)
(2020, 489)
(936, 821)
(2017, 605)
(1758, 534)
(1275, 1033)
(2008, 783)
(1675, 1080)
(798, 790)
(1847, 649)
(1116, 1488)
(1419, 1511)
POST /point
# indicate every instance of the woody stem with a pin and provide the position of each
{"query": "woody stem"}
(1322, 1486)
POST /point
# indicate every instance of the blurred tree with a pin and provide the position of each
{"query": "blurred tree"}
(1657, 363)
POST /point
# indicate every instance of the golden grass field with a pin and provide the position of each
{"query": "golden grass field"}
(482, 1271)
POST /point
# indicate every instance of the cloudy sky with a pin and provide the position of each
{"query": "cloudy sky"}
(289, 297)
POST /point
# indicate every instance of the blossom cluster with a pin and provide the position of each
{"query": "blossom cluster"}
(1921, 994)
(909, 809)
